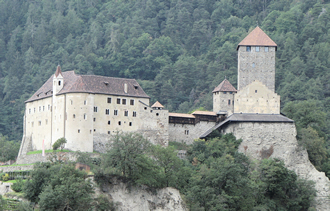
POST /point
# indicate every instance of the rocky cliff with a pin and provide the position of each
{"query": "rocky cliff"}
(141, 198)
(278, 140)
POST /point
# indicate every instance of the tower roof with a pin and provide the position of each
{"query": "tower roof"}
(157, 105)
(58, 71)
(257, 38)
(225, 86)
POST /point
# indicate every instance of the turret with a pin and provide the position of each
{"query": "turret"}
(223, 97)
(256, 60)
(58, 81)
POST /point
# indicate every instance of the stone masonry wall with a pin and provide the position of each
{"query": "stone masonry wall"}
(178, 132)
(278, 140)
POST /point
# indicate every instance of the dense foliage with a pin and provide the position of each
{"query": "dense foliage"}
(178, 49)
(214, 176)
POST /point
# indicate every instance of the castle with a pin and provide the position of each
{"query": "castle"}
(87, 109)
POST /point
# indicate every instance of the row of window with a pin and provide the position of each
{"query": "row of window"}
(121, 101)
(115, 112)
(248, 49)
(41, 108)
(119, 123)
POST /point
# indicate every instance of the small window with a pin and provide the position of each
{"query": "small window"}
(225, 92)
(78, 131)
(94, 119)
(253, 64)
(95, 109)
(266, 49)
(118, 100)
(124, 101)
(94, 130)
(29, 110)
(134, 113)
(230, 92)
(248, 48)
(228, 102)
(71, 102)
(43, 108)
(85, 116)
(109, 99)
(157, 114)
(119, 122)
(59, 83)
(132, 102)
(85, 102)
(130, 123)
(109, 132)
(39, 108)
(107, 111)
(257, 48)
(109, 122)
(48, 107)
(115, 112)
(74, 116)
(145, 108)
(39, 123)
(255, 91)
(34, 110)
(126, 113)
(46, 121)
(32, 124)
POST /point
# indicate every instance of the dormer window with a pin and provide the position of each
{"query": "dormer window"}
(106, 83)
(136, 86)
(248, 48)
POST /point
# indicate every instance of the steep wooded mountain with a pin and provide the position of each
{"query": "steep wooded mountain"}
(179, 50)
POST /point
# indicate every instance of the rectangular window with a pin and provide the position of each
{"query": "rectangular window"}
(134, 113)
(124, 101)
(115, 112)
(266, 49)
(107, 111)
(95, 109)
(46, 121)
(94, 119)
(130, 124)
(32, 124)
(109, 122)
(29, 110)
(132, 102)
(34, 110)
(109, 132)
(257, 48)
(85, 116)
(43, 108)
(118, 100)
(126, 113)
(85, 102)
(109, 99)
(78, 131)
(74, 116)
(39, 123)
(228, 102)
(248, 48)
(48, 107)
(119, 123)
(39, 108)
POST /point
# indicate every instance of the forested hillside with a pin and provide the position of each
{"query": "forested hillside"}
(179, 50)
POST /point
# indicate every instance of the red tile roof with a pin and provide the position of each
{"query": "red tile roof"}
(157, 105)
(91, 84)
(257, 38)
(225, 86)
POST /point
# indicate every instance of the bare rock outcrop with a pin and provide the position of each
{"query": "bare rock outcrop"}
(278, 140)
(141, 198)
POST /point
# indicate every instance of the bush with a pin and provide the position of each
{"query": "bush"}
(5, 177)
(18, 186)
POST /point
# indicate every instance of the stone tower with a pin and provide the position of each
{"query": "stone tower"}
(256, 60)
(223, 97)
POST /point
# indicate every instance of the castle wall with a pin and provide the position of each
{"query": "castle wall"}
(256, 66)
(257, 98)
(37, 122)
(278, 140)
(223, 101)
(153, 124)
(187, 133)
(79, 121)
